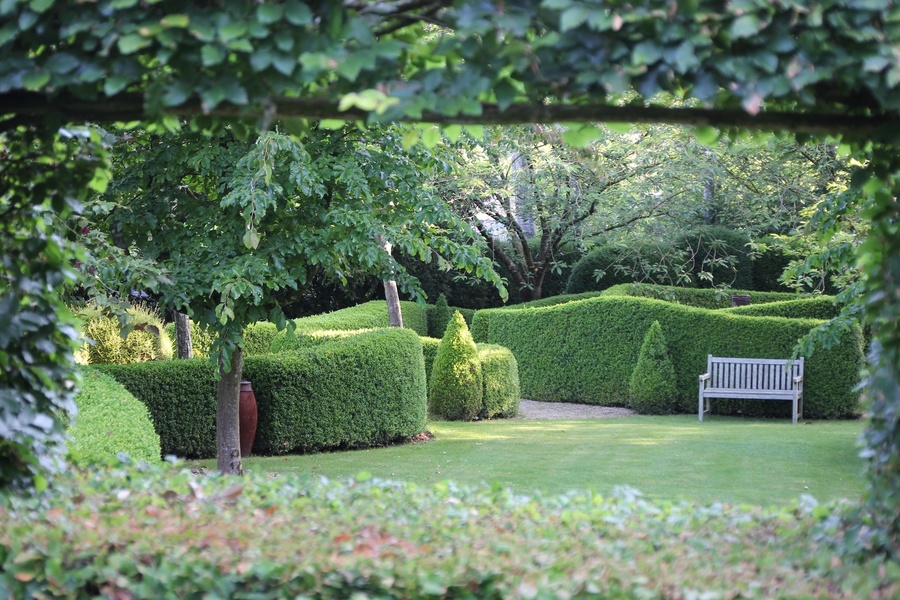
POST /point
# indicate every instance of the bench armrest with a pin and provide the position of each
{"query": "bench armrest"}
(705, 377)
(798, 379)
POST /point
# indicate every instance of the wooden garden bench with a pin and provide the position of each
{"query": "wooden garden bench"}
(752, 379)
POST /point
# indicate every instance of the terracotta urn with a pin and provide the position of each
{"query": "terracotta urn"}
(247, 416)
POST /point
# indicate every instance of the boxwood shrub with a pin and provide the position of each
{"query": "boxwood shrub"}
(105, 345)
(500, 373)
(816, 307)
(362, 390)
(437, 323)
(110, 420)
(258, 338)
(585, 351)
(369, 315)
(456, 389)
(703, 298)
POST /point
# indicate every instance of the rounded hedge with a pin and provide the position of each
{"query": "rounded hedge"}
(618, 265)
(362, 390)
(699, 297)
(110, 420)
(369, 315)
(585, 351)
(651, 388)
(456, 390)
(105, 345)
(500, 374)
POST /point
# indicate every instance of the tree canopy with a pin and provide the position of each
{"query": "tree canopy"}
(822, 68)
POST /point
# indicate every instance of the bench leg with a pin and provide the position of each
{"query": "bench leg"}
(794, 415)
(700, 408)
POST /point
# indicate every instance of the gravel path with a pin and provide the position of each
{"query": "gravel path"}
(531, 409)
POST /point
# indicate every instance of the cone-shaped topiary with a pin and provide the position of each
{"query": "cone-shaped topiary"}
(651, 389)
(440, 317)
(456, 382)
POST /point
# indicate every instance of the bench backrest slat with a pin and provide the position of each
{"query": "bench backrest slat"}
(753, 373)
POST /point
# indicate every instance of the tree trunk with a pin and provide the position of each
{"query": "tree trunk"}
(392, 296)
(183, 336)
(228, 434)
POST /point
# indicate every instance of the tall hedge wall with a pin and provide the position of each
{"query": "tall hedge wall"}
(817, 307)
(703, 298)
(369, 315)
(585, 351)
(434, 330)
(363, 390)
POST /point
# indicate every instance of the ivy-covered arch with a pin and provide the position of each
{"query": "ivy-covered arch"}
(827, 68)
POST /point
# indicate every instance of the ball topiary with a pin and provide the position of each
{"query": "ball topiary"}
(651, 389)
(456, 391)
(110, 420)
(440, 317)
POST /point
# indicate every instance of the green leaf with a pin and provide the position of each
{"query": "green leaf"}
(431, 136)
(410, 137)
(745, 26)
(619, 127)
(706, 135)
(646, 53)
(505, 93)
(133, 42)
(251, 239)
(180, 21)
(115, 84)
(61, 62)
(212, 55)
(297, 13)
(269, 13)
(453, 132)
(332, 124)
(233, 30)
(35, 80)
(573, 17)
(40, 6)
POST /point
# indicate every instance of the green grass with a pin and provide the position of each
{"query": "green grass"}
(675, 457)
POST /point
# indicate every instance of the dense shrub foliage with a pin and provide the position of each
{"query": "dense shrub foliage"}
(370, 315)
(716, 256)
(181, 397)
(362, 390)
(105, 345)
(201, 338)
(816, 307)
(651, 389)
(174, 535)
(585, 351)
(430, 347)
(456, 390)
(500, 374)
(258, 338)
(616, 264)
(110, 420)
(769, 263)
(703, 298)
(438, 317)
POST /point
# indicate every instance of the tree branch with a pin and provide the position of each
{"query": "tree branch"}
(130, 107)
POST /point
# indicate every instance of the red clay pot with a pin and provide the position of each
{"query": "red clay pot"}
(248, 416)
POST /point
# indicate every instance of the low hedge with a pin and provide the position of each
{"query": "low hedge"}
(363, 390)
(110, 420)
(258, 338)
(702, 298)
(435, 329)
(818, 307)
(165, 534)
(369, 315)
(585, 351)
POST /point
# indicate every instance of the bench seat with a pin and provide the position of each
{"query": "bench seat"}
(752, 379)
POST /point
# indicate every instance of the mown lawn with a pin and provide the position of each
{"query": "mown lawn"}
(673, 457)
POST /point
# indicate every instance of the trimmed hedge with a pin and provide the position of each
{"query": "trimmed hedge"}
(369, 315)
(585, 352)
(456, 390)
(651, 389)
(500, 373)
(702, 298)
(817, 307)
(110, 420)
(438, 317)
(258, 338)
(363, 390)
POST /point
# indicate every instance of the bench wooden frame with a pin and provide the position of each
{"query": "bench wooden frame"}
(752, 379)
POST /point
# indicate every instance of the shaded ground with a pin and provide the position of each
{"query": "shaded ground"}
(532, 409)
